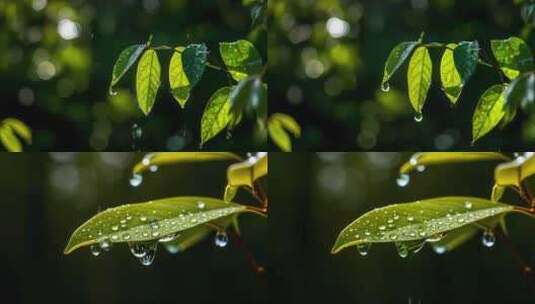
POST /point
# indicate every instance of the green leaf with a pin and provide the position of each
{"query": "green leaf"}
(419, 77)
(249, 94)
(489, 111)
(513, 173)
(466, 57)
(148, 80)
(449, 76)
(9, 140)
(150, 221)
(278, 125)
(178, 80)
(258, 13)
(194, 59)
(421, 221)
(19, 128)
(513, 56)
(241, 59)
(520, 92)
(439, 158)
(247, 172)
(172, 158)
(217, 114)
(230, 193)
(126, 59)
(399, 54)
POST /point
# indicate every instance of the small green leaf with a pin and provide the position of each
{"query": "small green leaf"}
(230, 193)
(216, 114)
(151, 221)
(513, 55)
(513, 173)
(397, 57)
(124, 62)
(466, 57)
(439, 158)
(241, 59)
(148, 80)
(419, 78)
(450, 77)
(489, 111)
(171, 158)
(178, 80)
(497, 193)
(19, 128)
(278, 125)
(519, 93)
(9, 140)
(426, 220)
(247, 172)
(249, 94)
(194, 59)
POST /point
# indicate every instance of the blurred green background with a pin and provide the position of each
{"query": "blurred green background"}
(47, 196)
(326, 63)
(315, 195)
(57, 58)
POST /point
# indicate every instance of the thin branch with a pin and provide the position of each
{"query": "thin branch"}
(258, 269)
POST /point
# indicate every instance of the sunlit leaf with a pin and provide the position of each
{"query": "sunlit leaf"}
(241, 59)
(124, 62)
(230, 193)
(466, 57)
(439, 158)
(425, 220)
(9, 140)
(497, 193)
(147, 80)
(171, 158)
(449, 76)
(521, 92)
(278, 126)
(150, 221)
(178, 80)
(513, 173)
(513, 55)
(19, 128)
(217, 114)
(399, 54)
(419, 77)
(489, 111)
(248, 171)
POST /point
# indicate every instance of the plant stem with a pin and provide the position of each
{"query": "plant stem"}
(259, 270)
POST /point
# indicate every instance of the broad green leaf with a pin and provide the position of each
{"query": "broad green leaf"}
(125, 61)
(241, 59)
(419, 77)
(249, 94)
(248, 171)
(178, 80)
(439, 158)
(19, 128)
(170, 158)
(513, 56)
(466, 57)
(513, 173)
(449, 76)
(217, 114)
(489, 111)
(150, 221)
(399, 54)
(425, 220)
(9, 140)
(278, 126)
(521, 92)
(148, 80)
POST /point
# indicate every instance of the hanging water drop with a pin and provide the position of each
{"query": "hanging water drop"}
(153, 168)
(221, 239)
(136, 180)
(105, 245)
(418, 117)
(172, 248)
(139, 250)
(95, 250)
(148, 258)
(385, 87)
(403, 249)
(403, 180)
(420, 168)
(439, 249)
(488, 239)
(363, 248)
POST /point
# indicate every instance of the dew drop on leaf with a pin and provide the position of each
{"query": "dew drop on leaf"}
(385, 87)
(201, 204)
(468, 205)
(105, 245)
(167, 238)
(363, 248)
(136, 180)
(418, 117)
(488, 239)
(403, 180)
(221, 239)
(95, 250)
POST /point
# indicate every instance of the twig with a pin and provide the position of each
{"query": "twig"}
(259, 270)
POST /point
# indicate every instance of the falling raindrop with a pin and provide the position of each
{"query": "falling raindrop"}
(221, 239)
(363, 248)
(403, 180)
(136, 180)
(95, 250)
(418, 117)
(385, 87)
(488, 239)
(148, 258)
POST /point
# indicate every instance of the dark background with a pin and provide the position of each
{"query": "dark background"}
(338, 101)
(47, 196)
(70, 110)
(315, 195)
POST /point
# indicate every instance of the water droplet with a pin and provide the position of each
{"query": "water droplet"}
(418, 117)
(95, 250)
(126, 236)
(167, 238)
(420, 168)
(468, 205)
(155, 233)
(172, 248)
(136, 180)
(105, 245)
(488, 239)
(403, 249)
(410, 218)
(137, 132)
(112, 92)
(150, 254)
(201, 204)
(403, 180)
(221, 239)
(143, 218)
(385, 87)
(382, 227)
(139, 250)
(115, 228)
(439, 249)
(153, 168)
(363, 248)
